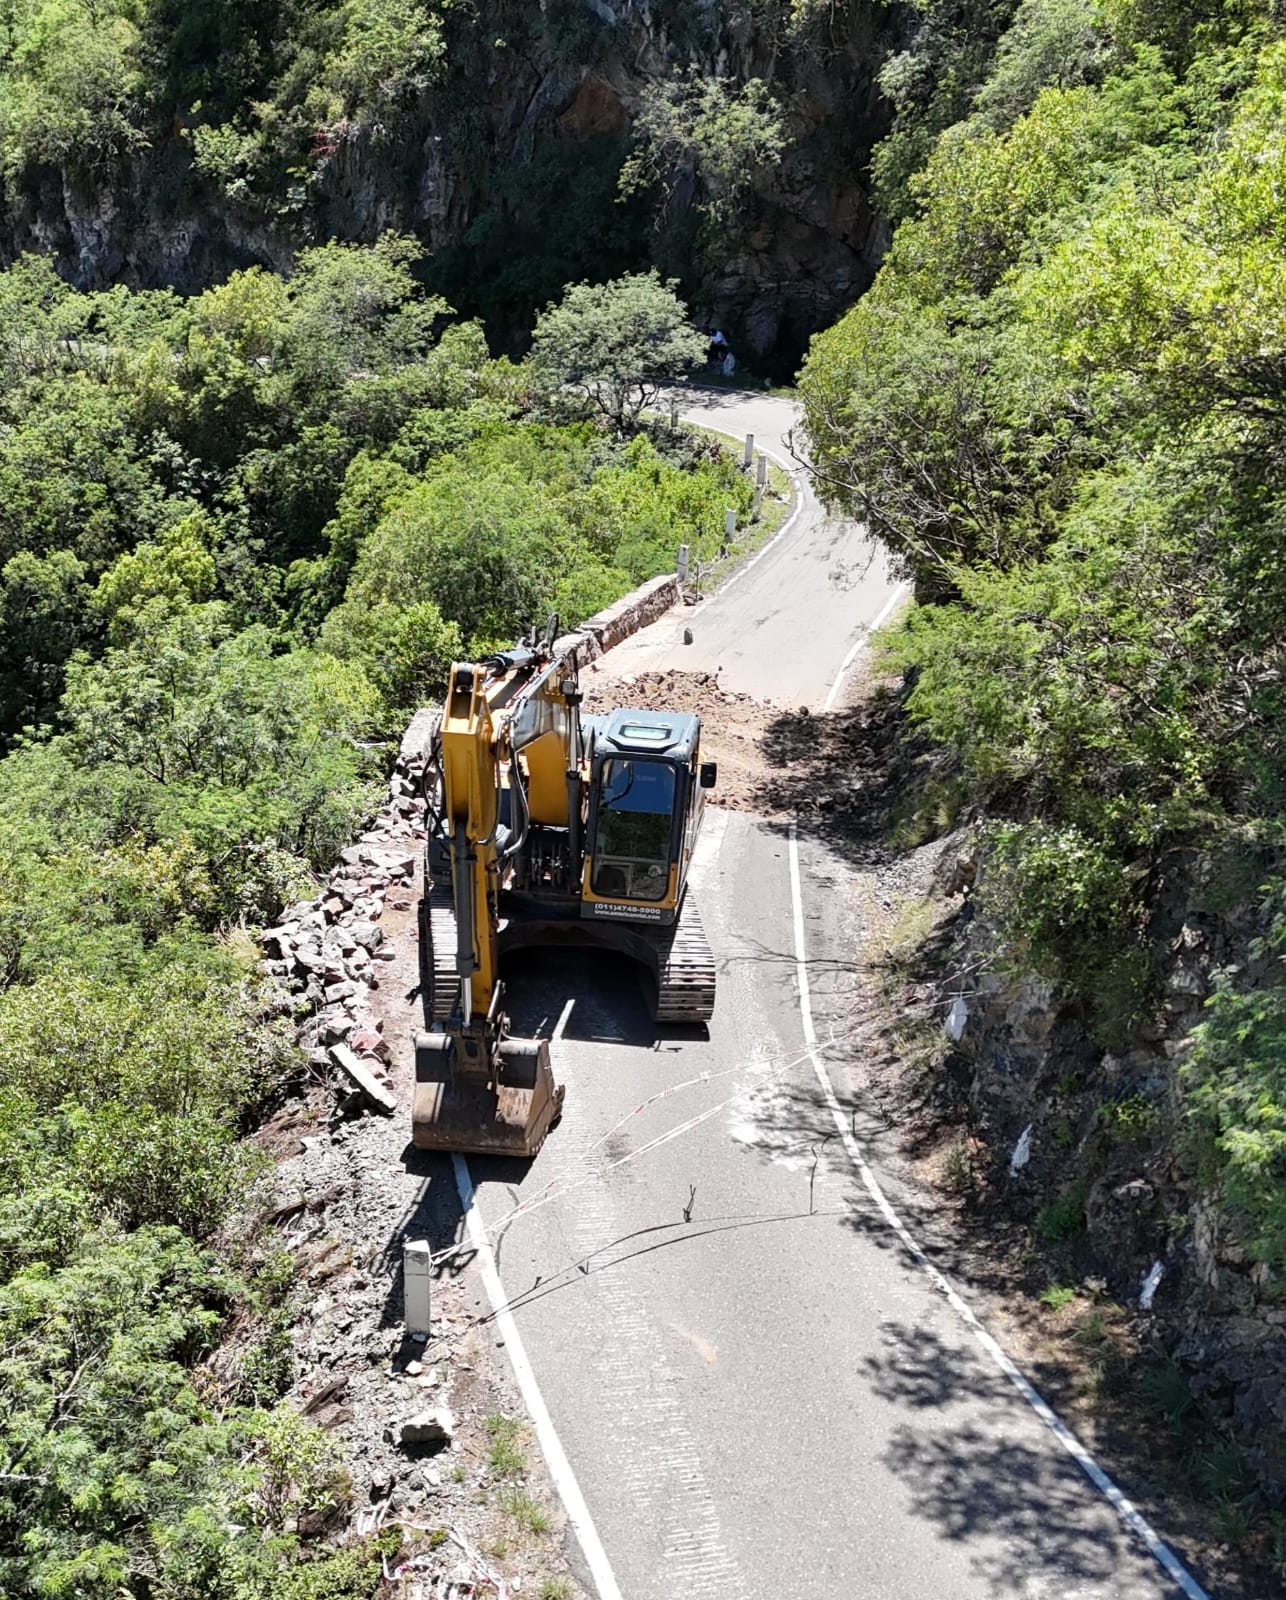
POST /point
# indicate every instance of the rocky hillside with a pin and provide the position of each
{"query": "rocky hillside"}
(145, 147)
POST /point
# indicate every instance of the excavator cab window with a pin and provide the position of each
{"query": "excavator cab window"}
(632, 843)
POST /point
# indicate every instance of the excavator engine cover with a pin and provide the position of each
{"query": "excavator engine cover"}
(506, 1110)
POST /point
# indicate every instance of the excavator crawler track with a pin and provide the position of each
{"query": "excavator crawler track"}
(439, 982)
(685, 970)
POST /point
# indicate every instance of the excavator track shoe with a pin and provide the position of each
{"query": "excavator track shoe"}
(685, 970)
(506, 1114)
(439, 983)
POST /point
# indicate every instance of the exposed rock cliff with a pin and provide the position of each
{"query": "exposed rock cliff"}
(529, 97)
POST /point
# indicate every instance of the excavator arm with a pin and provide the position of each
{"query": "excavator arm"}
(477, 1090)
(470, 817)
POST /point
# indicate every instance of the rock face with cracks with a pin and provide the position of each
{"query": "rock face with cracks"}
(565, 80)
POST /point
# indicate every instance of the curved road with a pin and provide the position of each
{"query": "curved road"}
(761, 1392)
(782, 626)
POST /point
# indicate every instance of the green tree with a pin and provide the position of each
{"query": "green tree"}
(405, 649)
(1050, 44)
(693, 127)
(139, 1086)
(70, 87)
(73, 476)
(391, 50)
(118, 1474)
(615, 343)
(353, 310)
(479, 540)
(1234, 1083)
(195, 730)
(950, 442)
(177, 569)
(43, 620)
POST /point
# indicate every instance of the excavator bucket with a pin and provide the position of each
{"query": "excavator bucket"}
(506, 1110)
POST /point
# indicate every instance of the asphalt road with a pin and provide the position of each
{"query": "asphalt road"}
(781, 628)
(762, 1394)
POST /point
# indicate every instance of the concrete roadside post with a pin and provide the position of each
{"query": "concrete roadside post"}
(681, 563)
(674, 416)
(417, 1270)
(729, 527)
(750, 451)
(761, 475)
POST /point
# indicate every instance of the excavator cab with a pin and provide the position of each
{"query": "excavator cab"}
(646, 795)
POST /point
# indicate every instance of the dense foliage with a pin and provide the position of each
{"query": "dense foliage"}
(240, 535)
(1062, 406)
(530, 145)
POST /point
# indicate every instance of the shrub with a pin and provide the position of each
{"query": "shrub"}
(1234, 1083)
(1062, 1217)
(138, 1087)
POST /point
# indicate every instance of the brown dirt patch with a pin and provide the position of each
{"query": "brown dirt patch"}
(833, 774)
(732, 725)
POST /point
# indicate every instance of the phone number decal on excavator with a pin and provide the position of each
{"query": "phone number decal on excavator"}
(604, 908)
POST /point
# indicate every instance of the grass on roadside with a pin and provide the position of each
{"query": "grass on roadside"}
(505, 1455)
(525, 1509)
(774, 507)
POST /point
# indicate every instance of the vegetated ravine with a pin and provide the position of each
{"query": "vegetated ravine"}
(262, 475)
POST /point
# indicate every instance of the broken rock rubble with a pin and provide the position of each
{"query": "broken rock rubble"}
(436, 1426)
(324, 951)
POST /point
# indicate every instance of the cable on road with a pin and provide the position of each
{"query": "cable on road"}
(559, 1188)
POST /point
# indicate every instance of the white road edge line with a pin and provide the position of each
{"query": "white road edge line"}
(899, 594)
(1132, 1518)
(560, 1468)
(801, 500)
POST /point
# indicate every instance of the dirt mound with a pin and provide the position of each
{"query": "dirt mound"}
(732, 725)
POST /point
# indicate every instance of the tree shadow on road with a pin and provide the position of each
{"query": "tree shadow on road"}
(785, 1117)
(837, 775)
(709, 394)
(985, 1472)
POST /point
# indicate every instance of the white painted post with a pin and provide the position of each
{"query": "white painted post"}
(417, 1270)
(750, 451)
(761, 470)
(729, 527)
(674, 415)
(681, 565)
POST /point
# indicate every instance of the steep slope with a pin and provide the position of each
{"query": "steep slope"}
(165, 149)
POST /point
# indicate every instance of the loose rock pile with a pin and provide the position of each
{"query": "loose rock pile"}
(733, 725)
(331, 950)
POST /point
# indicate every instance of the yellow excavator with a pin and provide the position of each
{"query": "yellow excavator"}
(545, 827)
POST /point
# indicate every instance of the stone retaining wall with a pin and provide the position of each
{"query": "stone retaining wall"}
(627, 617)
